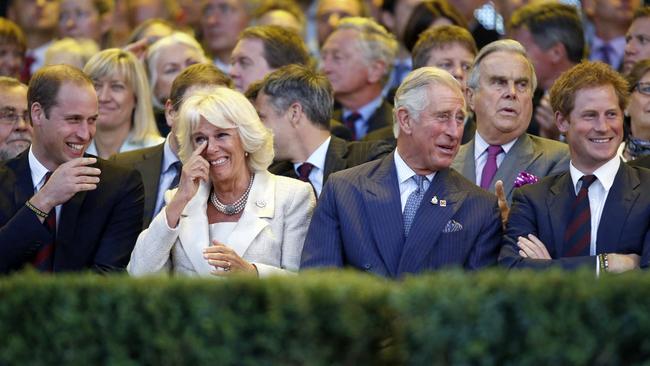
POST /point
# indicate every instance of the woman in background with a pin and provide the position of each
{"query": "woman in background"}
(126, 119)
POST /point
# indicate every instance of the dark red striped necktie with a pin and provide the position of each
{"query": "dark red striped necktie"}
(44, 259)
(350, 122)
(577, 236)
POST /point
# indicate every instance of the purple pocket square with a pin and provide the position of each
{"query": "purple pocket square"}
(525, 178)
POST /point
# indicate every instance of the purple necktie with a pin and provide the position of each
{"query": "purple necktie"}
(490, 168)
(350, 122)
(606, 53)
(303, 171)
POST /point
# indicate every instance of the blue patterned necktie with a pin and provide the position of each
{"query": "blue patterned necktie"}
(413, 202)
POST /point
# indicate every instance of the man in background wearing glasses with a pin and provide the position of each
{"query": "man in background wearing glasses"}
(15, 130)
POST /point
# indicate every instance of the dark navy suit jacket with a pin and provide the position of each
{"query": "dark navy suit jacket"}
(96, 230)
(543, 209)
(358, 223)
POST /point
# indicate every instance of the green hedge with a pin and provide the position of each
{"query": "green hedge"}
(330, 318)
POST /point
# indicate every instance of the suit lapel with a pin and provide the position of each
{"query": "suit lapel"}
(24, 185)
(260, 205)
(518, 159)
(334, 160)
(430, 220)
(380, 117)
(151, 166)
(193, 229)
(620, 200)
(464, 162)
(561, 196)
(381, 195)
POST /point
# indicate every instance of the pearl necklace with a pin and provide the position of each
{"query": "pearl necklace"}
(235, 207)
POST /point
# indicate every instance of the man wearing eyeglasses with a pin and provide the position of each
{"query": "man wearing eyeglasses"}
(15, 130)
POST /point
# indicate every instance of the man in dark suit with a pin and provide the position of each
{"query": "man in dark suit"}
(500, 90)
(295, 102)
(408, 212)
(357, 58)
(61, 210)
(159, 165)
(598, 213)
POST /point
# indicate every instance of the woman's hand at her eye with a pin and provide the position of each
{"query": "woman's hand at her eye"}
(195, 169)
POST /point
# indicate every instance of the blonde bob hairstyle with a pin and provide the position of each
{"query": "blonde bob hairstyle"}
(153, 56)
(116, 62)
(226, 108)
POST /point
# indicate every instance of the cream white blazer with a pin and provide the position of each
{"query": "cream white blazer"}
(270, 233)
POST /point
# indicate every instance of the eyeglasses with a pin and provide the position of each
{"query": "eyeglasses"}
(643, 88)
(9, 117)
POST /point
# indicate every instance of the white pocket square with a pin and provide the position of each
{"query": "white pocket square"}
(452, 226)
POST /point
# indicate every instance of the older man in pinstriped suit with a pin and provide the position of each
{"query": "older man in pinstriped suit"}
(408, 212)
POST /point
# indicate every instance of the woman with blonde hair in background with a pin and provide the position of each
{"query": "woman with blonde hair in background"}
(126, 119)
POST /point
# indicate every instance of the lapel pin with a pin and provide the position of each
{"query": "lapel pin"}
(260, 204)
(434, 200)
(443, 203)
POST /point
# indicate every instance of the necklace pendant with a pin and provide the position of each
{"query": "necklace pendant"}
(230, 210)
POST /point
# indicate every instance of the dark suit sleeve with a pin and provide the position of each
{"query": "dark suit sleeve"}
(123, 226)
(486, 248)
(523, 220)
(323, 245)
(20, 238)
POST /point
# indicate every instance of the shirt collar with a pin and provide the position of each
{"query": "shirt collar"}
(481, 145)
(404, 172)
(605, 173)
(38, 170)
(169, 157)
(367, 110)
(317, 158)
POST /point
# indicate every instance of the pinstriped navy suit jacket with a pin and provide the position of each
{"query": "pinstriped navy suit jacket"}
(358, 223)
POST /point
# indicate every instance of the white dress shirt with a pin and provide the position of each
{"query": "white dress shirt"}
(317, 159)
(406, 184)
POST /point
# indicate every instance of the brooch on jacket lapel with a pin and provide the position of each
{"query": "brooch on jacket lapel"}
(436, 201)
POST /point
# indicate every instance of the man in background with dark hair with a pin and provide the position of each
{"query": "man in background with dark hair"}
(262, 49)
(554, 40)
(296, 103)
(637, 39)
(159, 165)
(61, 210)
(15, 129)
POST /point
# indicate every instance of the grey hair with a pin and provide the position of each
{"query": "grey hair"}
(226, 108)
(375, 42)
(153, 54)
(503, 45)
(297, 83)
(414, 92)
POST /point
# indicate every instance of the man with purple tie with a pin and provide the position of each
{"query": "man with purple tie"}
(500, 92)
(598, 213)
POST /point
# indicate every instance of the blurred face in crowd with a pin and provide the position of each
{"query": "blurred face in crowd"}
(429, 142)
(222, 21)
(282, 18)
(344, 64)
(454, 58)
(594, 128)
(15, 129)
(116, 101)
(403, 10)
(330, 12)
(248, 63)
(35, 15)
(639, 108)
(11, 60)
(283, 133)
(171, 61)
(66, 130)
(503, 100)
(540, 58)
(80, 19)
(637, 43)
